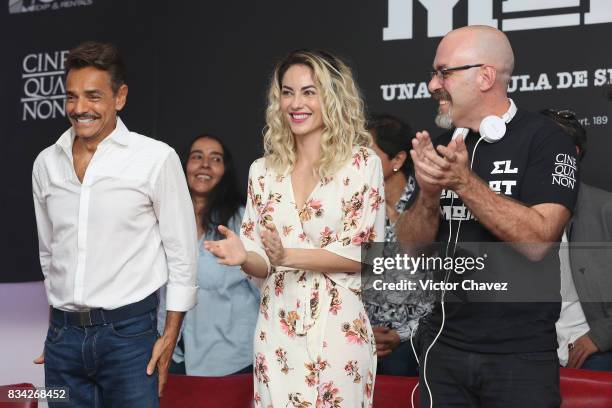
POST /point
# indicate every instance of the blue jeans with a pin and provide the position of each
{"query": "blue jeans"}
(401, 362)
(105, 365)
(600, 361)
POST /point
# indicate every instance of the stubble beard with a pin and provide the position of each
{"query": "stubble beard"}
(444, 120)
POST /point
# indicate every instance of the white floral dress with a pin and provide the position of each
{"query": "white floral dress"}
(313, 344)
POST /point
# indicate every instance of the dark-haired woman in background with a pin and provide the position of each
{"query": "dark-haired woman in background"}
(394, 315)
(217, 335)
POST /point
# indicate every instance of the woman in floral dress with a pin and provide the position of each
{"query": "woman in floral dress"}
(313, 199)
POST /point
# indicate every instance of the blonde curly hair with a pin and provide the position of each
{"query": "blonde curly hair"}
(342, 110)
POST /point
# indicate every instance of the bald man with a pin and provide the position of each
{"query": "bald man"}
(490, 180)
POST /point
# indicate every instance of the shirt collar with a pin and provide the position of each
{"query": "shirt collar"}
(120, 135)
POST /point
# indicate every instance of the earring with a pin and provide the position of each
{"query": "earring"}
(395, 170)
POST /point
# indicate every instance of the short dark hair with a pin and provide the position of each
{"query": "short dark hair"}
(392, 135)
(225, 199)
(572, 126)
(103, 56)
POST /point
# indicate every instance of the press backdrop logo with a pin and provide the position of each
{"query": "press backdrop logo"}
(507, 15)
(26, 6)
(44, 91)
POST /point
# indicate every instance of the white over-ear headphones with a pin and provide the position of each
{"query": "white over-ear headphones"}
(492, 128)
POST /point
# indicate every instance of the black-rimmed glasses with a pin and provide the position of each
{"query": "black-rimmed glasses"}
(442, 73)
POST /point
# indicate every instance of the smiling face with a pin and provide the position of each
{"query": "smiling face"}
(300, 101)
(91, 104)
(205, 166)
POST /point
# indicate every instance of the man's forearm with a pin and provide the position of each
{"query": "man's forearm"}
(509, 220)
(420, 223)
(173, 323)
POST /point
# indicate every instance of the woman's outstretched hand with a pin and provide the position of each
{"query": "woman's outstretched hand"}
(229, 251)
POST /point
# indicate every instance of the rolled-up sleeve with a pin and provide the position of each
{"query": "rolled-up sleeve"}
(177, 228)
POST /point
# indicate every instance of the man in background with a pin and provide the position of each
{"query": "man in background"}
(584, 328)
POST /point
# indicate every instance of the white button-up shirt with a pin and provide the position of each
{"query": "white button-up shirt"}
(123, 232)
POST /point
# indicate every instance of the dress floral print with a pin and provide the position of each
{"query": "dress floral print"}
(314, 346)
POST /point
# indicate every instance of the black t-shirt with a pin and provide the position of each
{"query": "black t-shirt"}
(534, 163)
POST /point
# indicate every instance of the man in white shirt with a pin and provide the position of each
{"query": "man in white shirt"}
(115, 223)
